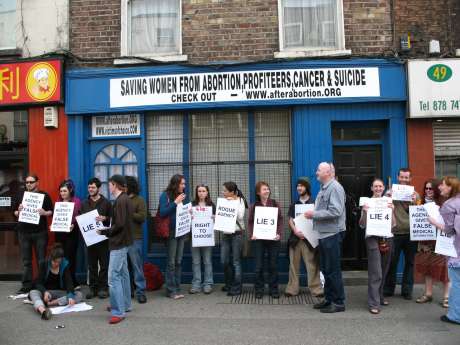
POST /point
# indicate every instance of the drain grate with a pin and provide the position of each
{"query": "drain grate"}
(248, 297)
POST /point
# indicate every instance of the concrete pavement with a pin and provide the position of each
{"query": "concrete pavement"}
(212, 319)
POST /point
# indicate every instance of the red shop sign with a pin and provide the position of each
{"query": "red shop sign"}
(31, 82)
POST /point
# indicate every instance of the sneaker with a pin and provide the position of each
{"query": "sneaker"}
(46, 315)
(103, 294)
(193, 291)
(332, 308)
(207, 289)
(115, 319)
(321, 305)
(22, 290)
(142, 299)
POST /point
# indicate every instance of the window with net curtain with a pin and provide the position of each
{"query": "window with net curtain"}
(310, 24)
(8, 24)
(153, 27)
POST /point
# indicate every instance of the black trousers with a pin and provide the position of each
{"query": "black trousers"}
(28, 240)
(272, 249)
(98, 265)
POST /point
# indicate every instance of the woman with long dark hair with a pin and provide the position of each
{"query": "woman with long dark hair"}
(202, 199)
(231, 242)
(429, 266)
(69, 240)
(173, 195)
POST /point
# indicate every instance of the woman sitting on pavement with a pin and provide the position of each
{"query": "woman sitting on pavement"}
(54, 286)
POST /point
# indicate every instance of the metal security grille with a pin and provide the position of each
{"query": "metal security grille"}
(214, 147)
(248, 297)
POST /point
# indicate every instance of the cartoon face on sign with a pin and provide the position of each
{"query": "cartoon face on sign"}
(41, 81)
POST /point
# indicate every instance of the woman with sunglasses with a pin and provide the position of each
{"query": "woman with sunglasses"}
(429, 266)
(69, 240)
(202, 199)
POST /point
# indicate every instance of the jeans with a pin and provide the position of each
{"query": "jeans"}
(232, 271)
(174, 265)
(453, 312)
(37, 297)
(409, 248)
(330, 251)
(27, 240)
(98, 264)
(137, 266)
(377, 270)
(119, 286)
(206, 254)
(272, 249)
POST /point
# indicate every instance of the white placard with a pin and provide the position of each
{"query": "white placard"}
(202, 227)
(62, 216)
(433, 87)
(71, 308)
(183, 219)
(5, 201)
(379, 217)
(116, 125)
(88, 226)
(433, 211)
(265, 222)
(302, 208)
(226, 213)
(363, 201)
(240, 86)
(31, 203)
(420, 228)
(305, 226)
(402, 192)
(445, 245)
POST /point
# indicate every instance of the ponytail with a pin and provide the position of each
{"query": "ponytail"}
(239, 193)
(233, 188)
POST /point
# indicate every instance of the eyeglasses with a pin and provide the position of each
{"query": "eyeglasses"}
(428, 188)
(30, 182)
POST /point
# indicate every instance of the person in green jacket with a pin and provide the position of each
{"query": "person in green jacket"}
(135, 250)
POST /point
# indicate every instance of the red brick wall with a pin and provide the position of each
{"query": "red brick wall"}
(420, 151)
(217, 30)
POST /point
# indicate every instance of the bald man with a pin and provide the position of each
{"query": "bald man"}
(329, 220)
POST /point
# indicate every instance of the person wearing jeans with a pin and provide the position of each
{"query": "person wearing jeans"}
(329, 221)
(173, 195)
(120, 236)
(202, 199)
(262, 246)
(33, 236)
(135, 250)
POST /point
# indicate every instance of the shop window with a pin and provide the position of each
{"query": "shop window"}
(111, 160)
(311, 26)
(447, 166)
(8, 24)
(213, 147)
(151, 28)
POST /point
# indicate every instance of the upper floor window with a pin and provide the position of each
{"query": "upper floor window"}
(151, 28)
(311, 25)
(7, 24)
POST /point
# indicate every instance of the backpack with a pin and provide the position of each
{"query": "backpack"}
(153, 277)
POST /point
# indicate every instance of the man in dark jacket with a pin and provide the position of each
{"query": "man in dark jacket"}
(120, 236)
(33, 235)
(98, 254)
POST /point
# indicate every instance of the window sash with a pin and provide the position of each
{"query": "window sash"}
(8, 24)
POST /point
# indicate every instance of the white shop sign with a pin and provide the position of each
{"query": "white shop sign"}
(433, 88)
(116, 126)
(257, 85)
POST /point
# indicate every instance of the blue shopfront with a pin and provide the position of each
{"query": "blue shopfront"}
(271, 121)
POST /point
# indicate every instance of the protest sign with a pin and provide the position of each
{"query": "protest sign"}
(31, 203)
(305, 226)
(265, 222)
(183, 219)
(445, 245)
(302, 208)
(433, 211)
(88, 227)
(420, 228)
(62, 216)
(379, 216)
(226, 212)
(402, 192)
(202, 227)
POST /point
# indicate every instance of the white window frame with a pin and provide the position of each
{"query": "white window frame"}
(124, 42)
(312, 51)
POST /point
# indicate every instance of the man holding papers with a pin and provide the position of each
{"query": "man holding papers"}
(401, 241)
(300, 248)
(329, 220)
